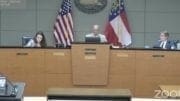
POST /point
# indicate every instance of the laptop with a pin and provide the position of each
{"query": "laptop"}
(2, 85)
(7, 89)
(60, 45)
(157, 47)
(92, 39)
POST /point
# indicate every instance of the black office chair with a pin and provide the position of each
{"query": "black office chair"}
(25, 40)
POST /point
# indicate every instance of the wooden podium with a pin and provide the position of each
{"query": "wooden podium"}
(90, 64)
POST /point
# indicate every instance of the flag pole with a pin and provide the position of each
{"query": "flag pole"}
(119, 25)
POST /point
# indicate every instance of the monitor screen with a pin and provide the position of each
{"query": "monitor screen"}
(60, 45)
(92, 39)
(2, 82)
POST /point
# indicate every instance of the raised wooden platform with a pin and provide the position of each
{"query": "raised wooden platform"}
(88, 94)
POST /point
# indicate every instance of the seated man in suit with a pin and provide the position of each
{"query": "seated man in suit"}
(164, 43)
(95, 33)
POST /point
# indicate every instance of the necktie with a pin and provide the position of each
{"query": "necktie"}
(162, 44)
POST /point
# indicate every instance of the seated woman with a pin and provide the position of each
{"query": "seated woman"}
(38, 41)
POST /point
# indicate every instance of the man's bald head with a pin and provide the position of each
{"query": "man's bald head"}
(96, 29)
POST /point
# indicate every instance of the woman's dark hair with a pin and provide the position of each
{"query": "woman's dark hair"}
(43, 41)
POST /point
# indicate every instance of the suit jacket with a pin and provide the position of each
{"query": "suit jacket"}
(169, 44)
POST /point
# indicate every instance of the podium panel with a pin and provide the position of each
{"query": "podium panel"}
(90, 64)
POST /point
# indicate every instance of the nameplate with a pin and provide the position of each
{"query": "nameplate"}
(58, 54)
(91, 57)
(122, 55)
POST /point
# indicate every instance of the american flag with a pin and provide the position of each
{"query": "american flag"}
(63, 27)
(117, 29)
